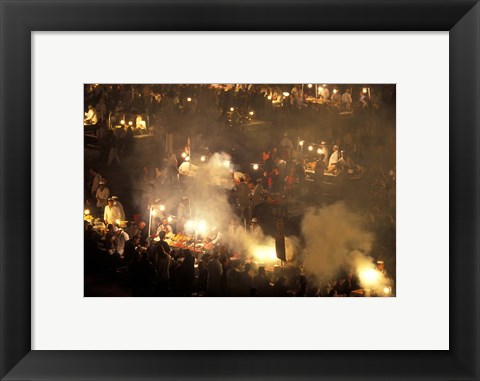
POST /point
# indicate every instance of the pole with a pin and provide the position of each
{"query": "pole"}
(150, 223)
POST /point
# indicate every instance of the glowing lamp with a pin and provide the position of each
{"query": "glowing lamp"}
(122, 122)
(154, 212)
(251, 113)
(161, 207)
(189, 99)
(269, 97)
(255, 166)
(309, 85)
(364, 90)
(117, 221)
(320, 89)
(170, 219)
(301, 142)
(335, 91)
(310, 148)
(386, 290)
(86, 212)
(184, 155)
(201, 227)
(203, 158)
(319, 151)
(286, 93)
(190, 224)
(130, 123)
(232, 109)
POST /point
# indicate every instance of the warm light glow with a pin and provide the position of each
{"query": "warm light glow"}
(232, 109)
(269, 97)
(201, 227)
(255, 166)
(301, 142)
(309, 85)
(130, 123)
(187, 158)
(184, 155)
(161, 207)
(122, 122)
(319, 151)
(189, 99)
(203, 158)
(264, 254)
(310, 148)
(286, 93)
(335, 91)
(86, 212)
(153, 212)
(364, 90)
(117, 221)
(320, 89)
(251, 113)
(169, 219)
(190, 225)
(369, 277)
(386, 290)
(226, 163)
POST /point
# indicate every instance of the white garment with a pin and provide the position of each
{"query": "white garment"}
(122, 212)
(112, 214)
(102, 197)
(334, 158)
(346, 98)
(120, 240)
(91, 116)
(166, 228)
(324, 150)
(96, 182)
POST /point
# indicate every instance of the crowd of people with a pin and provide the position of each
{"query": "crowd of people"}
(133, 243)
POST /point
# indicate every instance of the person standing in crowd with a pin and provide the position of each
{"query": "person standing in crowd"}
(163, 264)
(334, 158)
(214, 278)
(258, 197)
(96, 178)
(324, 151)
(102, 194)
(347, 100)
(286, 146)
(118, 204)
(112, 213)
(165, 226)
(255, 228)
(260, 282)
(121, 238)
(163, 243)
(242, 193)
(336, 97)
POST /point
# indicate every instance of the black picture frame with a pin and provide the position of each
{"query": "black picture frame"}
(18, 18)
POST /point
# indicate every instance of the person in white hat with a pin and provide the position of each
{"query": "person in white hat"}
(112, 213)
(334, 158)
(102, 195)
(324, 151)
(255, 228)
(117, 203)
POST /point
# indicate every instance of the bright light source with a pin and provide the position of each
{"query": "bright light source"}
(269, 97)
(309, 85)
(203, 158)
(154, 212)
(310, 148)
(319, 151)
(169, 219)
(226, 163)
(190, 224)
(184, 155)
(161, 207)
(189, 99)
(264, 253)
(286, 93)
(386, 290)
(335, 91)
(187, 158)
(369, 277)
(130, 123)
(320, 89)
(122, 122)
(364, 90)
(117, 221)
(251, 113)
(201, 227)
(301, 142)
(255, 166)
(86, 212)
(232, 109)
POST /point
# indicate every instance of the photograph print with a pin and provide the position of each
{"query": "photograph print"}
(239, 190)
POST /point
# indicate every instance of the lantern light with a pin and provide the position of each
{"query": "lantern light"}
(117, 221)
(189, 99)
(154, 212)
(301, 142)
(203, 158)
(122, 122)
(255, 166)
(309, 85)
(232, 109)
(251, 113)
(269, 97)
(169, 219)
(319, 151)
(86, 212)
(161, 207)
(310, 148)
(286, 93)
(364, 90)
(184, 155)
(130, 123)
